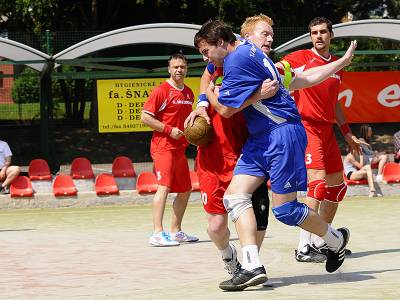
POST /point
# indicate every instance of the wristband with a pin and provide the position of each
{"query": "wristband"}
(203, 101)
(167, 129)
(345, 129)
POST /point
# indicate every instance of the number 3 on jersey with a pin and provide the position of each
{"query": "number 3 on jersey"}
(308, 158)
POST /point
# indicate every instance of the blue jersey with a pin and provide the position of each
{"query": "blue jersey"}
(245, 69)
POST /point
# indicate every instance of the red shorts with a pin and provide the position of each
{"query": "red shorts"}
(322, 152)
(214, 179)
(172, 170)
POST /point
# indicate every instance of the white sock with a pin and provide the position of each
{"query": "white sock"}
(251, 259)
(227, 253)
(333, 238)
(317, 241)
(305, 239)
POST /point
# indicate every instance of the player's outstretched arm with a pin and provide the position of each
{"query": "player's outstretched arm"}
(316, 75)
(202, 103)
(268, 89)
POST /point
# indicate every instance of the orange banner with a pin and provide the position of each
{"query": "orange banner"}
(371, 97)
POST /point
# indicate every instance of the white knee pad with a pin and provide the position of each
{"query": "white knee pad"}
(236, 204)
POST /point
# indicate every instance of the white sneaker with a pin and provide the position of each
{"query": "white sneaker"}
(182, 237)
(232, 265)
(162, 239)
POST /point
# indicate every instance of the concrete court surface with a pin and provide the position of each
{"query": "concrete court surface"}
(103, 253)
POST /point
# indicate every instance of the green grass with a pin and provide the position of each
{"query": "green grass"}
(31, 111)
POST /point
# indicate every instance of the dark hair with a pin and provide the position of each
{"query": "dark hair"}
(364, 132)
(318, 21)
(212, 31)
(177, 56)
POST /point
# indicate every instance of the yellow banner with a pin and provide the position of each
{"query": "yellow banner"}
(120, 102)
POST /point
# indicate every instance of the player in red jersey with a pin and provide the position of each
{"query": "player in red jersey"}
(165, 111)
(319, 109)
(216, 160)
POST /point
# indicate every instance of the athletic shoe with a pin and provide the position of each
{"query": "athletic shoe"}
(335, 259)
(347, 252)
(4, 190)
(182, 237)
(243, 279)
(309, 254)
(162, 239)
(232, 265)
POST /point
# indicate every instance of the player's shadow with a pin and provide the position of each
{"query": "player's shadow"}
(11, 230)
(373, 252)
(325, 278)
(210, 241)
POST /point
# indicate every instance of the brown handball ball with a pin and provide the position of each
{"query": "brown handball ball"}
(200, 133)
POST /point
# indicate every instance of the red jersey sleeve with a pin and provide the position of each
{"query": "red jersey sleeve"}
(296, 59)
(155, 101)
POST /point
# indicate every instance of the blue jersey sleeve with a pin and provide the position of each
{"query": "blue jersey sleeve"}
(244, 73)
(210, 68)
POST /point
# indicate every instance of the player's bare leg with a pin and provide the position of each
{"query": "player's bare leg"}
(305, 252)
(289, 211)
(178, 210)
(218, 232)
(160, 198)
(237, 201)
(160, 238)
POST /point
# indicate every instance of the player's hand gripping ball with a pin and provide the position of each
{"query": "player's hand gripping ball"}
(200, 133)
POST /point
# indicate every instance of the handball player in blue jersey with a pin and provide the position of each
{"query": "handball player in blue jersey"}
(275, 148)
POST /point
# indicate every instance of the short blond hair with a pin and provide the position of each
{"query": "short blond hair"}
(250, 22)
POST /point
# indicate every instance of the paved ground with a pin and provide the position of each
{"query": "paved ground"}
(102, 253)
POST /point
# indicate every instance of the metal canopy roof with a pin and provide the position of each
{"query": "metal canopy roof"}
(163, 33)
(377, 28)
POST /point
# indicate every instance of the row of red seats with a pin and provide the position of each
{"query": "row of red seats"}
(390, 174)
(81, 168)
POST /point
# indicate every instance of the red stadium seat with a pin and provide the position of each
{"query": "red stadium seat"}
(122, 167)
(81, 168)
(105, 184)
(354, 182)
(21, 187)
(39, 170)
(391, 172)
(146, 183)
(194, 179)
(63, 185)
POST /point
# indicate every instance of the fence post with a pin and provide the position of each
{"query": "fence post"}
(46, 117)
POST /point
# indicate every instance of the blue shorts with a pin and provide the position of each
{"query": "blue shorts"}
(280, 157)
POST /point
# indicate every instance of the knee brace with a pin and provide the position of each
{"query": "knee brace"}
(236, 204)
(336, 193)
(291, 213)
(317, 189)
(260, 201)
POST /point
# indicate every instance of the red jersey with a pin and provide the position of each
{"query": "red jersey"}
(170, 106)
(230, 135)
(315, 103)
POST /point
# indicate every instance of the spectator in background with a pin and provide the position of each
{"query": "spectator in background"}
(357, 168)
(396, 143)
(8, 172)
(372, 157)
(165, 111)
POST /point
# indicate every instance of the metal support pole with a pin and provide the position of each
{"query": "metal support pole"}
(46, 117)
